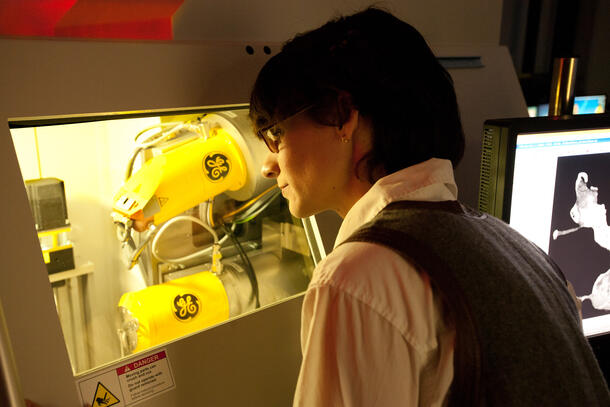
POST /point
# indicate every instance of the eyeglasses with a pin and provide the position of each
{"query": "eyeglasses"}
(273, 133)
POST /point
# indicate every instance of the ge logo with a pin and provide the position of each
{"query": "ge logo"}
(186, 307)
(216, 166)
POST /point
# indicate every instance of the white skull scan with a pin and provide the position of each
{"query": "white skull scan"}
(588, 213)
(600, 294)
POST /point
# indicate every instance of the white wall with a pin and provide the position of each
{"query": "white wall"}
(442, 22)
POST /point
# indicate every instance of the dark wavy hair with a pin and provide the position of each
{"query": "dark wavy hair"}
(379, 65)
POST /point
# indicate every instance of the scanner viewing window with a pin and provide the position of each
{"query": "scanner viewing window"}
(157, 225)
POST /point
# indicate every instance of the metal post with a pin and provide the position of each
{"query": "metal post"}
(10, 389)
(562, 86)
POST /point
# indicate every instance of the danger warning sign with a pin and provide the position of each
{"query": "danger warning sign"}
(129, 383)
(145, 377)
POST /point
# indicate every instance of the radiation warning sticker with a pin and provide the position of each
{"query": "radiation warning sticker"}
(128, 384)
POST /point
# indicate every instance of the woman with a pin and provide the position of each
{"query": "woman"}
(360, 118)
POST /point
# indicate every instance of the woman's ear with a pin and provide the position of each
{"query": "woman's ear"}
(347, 129)
(344, 108)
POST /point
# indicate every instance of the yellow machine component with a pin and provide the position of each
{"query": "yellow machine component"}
(182, 177)
(57, 249)
(170, 310)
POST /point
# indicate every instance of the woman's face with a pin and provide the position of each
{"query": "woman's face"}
(312, 166)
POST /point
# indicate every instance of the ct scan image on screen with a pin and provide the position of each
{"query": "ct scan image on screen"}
(579, 240)
(560, 192)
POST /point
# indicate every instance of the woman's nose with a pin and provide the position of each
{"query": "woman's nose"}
(270, 167)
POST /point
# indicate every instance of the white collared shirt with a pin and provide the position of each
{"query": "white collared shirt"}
(372, 333)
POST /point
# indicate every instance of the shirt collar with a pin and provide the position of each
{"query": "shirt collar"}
(430, 180)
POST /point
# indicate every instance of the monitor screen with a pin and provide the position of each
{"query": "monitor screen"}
(556, 190)
(582, 105)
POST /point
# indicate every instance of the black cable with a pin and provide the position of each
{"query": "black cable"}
(246, 260)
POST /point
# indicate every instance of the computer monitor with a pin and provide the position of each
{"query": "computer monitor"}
(549, 178)
(582, 105)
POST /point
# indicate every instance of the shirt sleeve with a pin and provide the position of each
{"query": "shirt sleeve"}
(352, 355)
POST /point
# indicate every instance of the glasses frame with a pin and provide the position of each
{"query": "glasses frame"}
(273, 144)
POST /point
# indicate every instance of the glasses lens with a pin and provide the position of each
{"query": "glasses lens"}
(272, 136)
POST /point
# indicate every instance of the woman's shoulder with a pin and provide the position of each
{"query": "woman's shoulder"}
(357, 261)
(384, 281)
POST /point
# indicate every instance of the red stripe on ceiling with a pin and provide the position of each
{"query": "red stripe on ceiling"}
(32, 17)
(129, 19)
(136, 19)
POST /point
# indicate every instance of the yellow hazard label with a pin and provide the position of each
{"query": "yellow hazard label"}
(103, 397)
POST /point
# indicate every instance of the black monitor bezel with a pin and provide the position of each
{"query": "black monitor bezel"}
(546, 124)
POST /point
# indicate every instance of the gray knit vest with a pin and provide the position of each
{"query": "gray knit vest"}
(518, 341)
